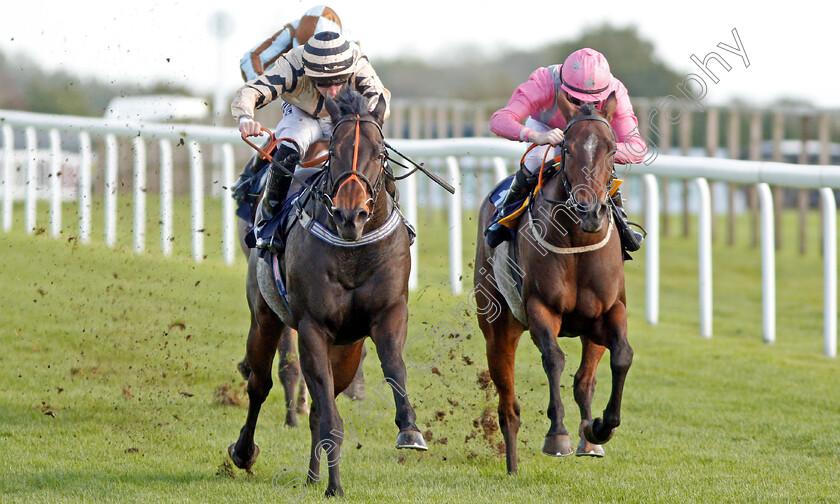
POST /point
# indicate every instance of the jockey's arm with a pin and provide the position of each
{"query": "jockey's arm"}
(630, 147)
(257, 94)
(537, 93)
(368, 85)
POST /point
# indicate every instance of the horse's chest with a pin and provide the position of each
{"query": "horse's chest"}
(566, 293)
(346, 291)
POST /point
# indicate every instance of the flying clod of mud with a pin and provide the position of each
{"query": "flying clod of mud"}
(230, 395)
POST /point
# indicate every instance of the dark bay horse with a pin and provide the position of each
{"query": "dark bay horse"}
(572, 286)
(289, 372)
(339, 291)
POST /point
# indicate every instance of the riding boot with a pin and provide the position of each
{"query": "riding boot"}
(522, 185)
(631, 240)
(276, 187)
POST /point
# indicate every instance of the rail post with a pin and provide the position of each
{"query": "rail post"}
(704, 256)
(651, 248)
(768, 263)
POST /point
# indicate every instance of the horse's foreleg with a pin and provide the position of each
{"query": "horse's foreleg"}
(502, 339)
(289, 371)
(584, 387)
(324, 417)
(544, 327)
(314, 473)
(388, 334)
(243, 367)
(600, 430)
(261, 347)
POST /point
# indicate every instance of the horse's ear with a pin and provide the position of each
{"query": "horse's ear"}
(609, 107)
(378, 111)
(332, 108)
(566, 107)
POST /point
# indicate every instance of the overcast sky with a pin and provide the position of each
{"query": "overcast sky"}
(790, 46)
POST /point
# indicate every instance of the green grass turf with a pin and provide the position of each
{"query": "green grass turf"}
(109, 364)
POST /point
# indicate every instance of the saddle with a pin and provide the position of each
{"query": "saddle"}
(297, 207)
(503, 223)
(276, 231)
(278, 228)
(246, 191)
(502, 226)
(506, 216)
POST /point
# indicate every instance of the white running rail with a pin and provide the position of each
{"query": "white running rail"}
(450, 153)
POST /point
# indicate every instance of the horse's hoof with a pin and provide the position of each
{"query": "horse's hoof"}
(291, 419)
(557, 445)
(587, 449)
(238, 462)
(590, 428)
(412, 440)
(334, 492)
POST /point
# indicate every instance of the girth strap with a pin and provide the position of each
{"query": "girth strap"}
(323, 233)
(569, 250)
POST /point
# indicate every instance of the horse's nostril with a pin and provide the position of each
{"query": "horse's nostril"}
(362, 216)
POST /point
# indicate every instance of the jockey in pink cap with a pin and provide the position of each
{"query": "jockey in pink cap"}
(584, 77)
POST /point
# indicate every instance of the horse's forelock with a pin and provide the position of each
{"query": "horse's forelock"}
(587, 109)
(350, 102)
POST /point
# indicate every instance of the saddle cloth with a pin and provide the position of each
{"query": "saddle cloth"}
(502, 226)
(507, 274)
(247, 195)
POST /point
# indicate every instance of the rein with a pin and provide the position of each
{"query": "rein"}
(324, 189)
(561, 162)
(570, 202)
(266, 155)
(354, 174)
(322, 232)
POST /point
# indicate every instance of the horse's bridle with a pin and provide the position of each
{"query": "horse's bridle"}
(370, 188)
(560, 166)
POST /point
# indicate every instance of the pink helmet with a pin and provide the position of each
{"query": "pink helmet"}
(585, 75)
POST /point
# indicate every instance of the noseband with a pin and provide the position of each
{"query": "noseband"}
(571, 202)
(354, 174)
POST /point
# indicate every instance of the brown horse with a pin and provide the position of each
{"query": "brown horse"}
(347, 279)
(291, 377)
(572, 284)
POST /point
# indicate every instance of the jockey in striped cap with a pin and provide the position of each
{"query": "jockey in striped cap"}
(301, 78)
(328, 59)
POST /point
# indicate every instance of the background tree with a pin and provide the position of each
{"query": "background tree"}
(473, 76)
(463, 72)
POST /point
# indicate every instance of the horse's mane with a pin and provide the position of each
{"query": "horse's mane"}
(351, 102)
